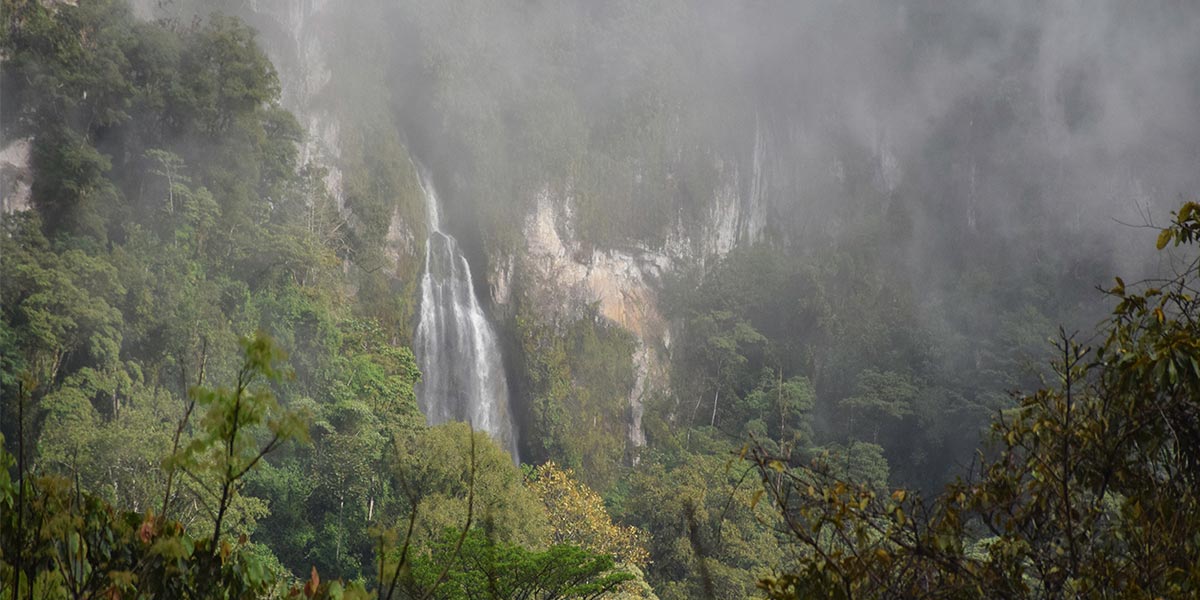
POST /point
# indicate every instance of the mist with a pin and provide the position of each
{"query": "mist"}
(984, 158)
(967, 109)
(639, 280)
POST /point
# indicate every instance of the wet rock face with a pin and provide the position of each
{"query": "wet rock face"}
(562, 279)
(295, 44)
(15, 176)
(562, 276)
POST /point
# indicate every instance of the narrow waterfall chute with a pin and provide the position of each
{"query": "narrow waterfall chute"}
(463, 376)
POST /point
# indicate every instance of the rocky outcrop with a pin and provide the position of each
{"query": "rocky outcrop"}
(565, 277)
(15, 176)
(561, 279)
(561, 276)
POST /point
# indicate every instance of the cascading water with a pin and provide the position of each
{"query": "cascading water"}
(462, 375)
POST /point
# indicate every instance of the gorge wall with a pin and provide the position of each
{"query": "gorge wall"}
(561, 275)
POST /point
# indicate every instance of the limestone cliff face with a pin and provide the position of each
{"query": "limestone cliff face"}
(15, 176)
(298, 45)
(561, 276)
(561, 279)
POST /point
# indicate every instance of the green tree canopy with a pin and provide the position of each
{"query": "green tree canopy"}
(1093, 488)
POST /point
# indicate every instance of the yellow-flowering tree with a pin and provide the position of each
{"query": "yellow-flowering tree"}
(578, 517)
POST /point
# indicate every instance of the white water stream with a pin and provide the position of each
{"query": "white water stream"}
(462, 372)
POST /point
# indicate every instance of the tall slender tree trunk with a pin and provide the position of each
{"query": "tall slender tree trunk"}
(20, 558)
(713, 422)
(782, 408)
(337, 553)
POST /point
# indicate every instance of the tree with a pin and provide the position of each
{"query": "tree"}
(483, 568)
(578, 517)
(153, 243)
(230, 443)
(879, 397)
(448, 472)
(780, 411)
(707, 535)
(58, 311)
(55, 540)
(1093, 490)
(579, 375)
(721, 342)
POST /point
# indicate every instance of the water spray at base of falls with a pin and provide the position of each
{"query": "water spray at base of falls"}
(462, 374)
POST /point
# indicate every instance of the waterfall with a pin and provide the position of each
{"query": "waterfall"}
(462, 374)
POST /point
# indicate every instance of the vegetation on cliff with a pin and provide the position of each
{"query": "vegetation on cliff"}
(172, 218)
(206, 389)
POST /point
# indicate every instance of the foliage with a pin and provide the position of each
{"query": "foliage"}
(442, 475)
(227, 444)
(578, 377)
(483, 568)
(1092, 489)
(781, 411)
(707, 538)
(578, 516)
(879, 397)
(59, 541)
(881, 366)
(171, 216)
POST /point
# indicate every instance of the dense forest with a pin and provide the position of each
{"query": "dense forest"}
(877, 380)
